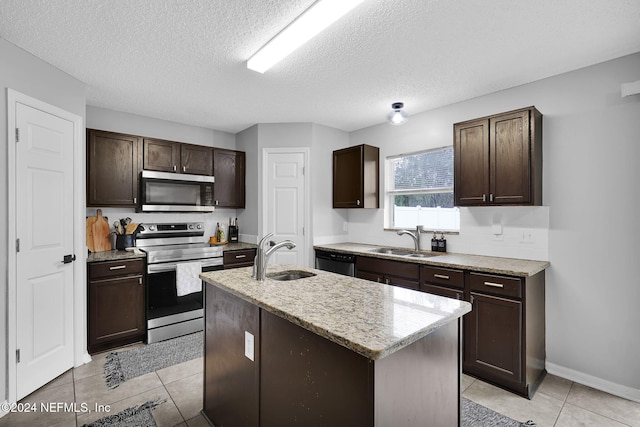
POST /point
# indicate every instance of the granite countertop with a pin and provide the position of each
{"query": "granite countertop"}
(114, 255)
(372, 319)
(238, 246)
(486, 264)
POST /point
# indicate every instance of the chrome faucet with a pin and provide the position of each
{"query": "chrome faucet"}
(262, 255)
(415, 236)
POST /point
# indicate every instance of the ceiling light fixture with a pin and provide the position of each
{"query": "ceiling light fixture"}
(398, 116)
(312, 21)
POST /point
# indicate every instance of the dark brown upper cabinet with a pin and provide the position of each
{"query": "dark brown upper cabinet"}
(114, 161)
(498, 159)
(356, 177)
(229, 172)
(170, 156)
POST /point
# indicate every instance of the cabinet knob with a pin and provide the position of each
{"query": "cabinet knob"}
(491, 197)
(358, 202)
(484, 197)
(184, 169)
(174, 168)
(140, 281)
(135, 200)
(387, 281)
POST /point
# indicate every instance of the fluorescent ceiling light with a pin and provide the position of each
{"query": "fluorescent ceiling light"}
(315, 19)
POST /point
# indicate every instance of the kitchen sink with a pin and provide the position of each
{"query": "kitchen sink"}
(290, 275)
(403, 252)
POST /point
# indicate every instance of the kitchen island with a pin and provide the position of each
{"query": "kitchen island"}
(328, 350)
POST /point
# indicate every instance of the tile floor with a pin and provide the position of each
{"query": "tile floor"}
(558, 402)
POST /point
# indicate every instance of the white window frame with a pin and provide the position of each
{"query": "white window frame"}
(390, 194)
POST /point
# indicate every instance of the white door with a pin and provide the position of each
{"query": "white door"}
(285, 204)
(44, 229)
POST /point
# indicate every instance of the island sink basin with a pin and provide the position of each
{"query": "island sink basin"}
(290, 275)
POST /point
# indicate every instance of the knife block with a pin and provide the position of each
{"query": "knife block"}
(233, 233)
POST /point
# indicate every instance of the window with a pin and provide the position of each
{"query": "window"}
(420, 190)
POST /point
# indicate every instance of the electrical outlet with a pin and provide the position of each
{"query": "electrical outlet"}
(249, 348)
(527, 237)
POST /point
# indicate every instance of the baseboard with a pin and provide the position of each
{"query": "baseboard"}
(619, 390)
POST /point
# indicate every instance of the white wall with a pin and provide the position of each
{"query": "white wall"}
(326, 223)
(591, 152)
(116, 121)
(29, 75)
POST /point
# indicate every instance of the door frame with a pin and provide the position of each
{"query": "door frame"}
(80, 354)
(305, 151)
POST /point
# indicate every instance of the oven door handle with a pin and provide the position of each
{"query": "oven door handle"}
(171, 266)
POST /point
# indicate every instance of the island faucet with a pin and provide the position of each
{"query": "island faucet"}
(262, 255)
(415, 236)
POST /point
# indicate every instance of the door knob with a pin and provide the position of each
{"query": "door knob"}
(68, 258)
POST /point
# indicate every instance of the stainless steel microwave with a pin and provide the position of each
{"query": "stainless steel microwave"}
(175, 192)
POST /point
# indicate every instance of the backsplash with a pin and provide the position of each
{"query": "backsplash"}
(210, 219)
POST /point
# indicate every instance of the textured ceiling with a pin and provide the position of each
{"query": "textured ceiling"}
(184, 60)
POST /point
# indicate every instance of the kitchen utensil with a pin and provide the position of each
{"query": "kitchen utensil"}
(101, 232)
(131, 227)
(117, 227)
(90, 221)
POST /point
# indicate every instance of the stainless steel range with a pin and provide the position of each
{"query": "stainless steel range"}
(170, 248)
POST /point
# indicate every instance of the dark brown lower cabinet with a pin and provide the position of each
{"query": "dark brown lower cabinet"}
(239, 258)
(300, 378)
(116, 308)
(504, 340)
(396, 273)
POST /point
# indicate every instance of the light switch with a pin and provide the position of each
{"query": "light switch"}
(248, 345)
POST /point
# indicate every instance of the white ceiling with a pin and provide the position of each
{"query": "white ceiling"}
(184, 60)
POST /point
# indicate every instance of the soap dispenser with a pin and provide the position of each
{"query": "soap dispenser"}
(442, 243)
(434, 243)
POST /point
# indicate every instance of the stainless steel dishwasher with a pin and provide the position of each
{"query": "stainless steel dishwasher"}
(335, 262)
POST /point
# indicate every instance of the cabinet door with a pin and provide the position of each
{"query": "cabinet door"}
(367, 275)
(229, 172)
(116, 310)
(471, 163)
(493, 338)
(402, 282)
(442, 291)
(196, 159)
(113, 164)
(231, 379)
(348, 185)
(160, 155)
(510, 159)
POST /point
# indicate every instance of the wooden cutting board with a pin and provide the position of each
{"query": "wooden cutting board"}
(100, 233)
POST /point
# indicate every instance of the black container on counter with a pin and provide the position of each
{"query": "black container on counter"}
(125, 241)
(434, 243)
(442, 244)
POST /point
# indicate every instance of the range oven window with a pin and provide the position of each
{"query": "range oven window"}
(162, 298)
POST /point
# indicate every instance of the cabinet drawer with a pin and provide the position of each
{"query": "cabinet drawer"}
(386, 267)
(498, 285)
(99, 270)
(442, 276)
(239, 257)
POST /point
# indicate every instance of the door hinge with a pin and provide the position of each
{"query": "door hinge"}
(17, 135)
(18, 356)
(17, 245)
